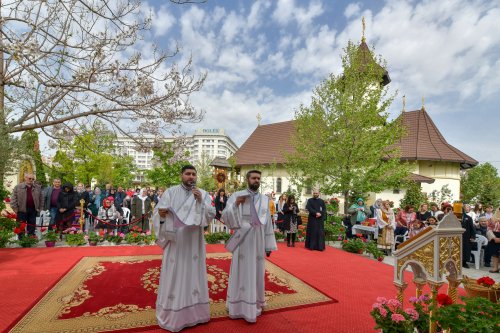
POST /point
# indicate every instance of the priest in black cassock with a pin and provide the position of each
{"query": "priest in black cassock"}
(315, 232)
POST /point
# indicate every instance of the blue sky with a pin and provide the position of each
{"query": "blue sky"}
(267, 56)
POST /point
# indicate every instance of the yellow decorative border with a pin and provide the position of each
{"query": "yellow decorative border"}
(42, 318)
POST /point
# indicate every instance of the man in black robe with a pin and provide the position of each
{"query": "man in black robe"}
(315, 232)
(468, 236)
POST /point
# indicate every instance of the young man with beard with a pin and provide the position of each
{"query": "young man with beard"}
(180, 216)
(247, 212)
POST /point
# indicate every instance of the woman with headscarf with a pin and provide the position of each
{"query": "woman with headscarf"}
(66, 203)
(107, 215)
(291, 221)
(141, 208)
(385, 221)
(358, 211)
(220, 203)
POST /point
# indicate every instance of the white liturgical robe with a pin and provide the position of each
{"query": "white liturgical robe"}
(254, 235)
(183, 299)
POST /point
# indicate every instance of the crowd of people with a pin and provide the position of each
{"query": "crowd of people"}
(395, 227)
(59, 205)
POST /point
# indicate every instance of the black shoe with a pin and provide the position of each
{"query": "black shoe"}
(464, 265)
(487, 265)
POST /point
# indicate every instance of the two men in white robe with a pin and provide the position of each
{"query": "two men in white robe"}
(180, 216)
(247, 213)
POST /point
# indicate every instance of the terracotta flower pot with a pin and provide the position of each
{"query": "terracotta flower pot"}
(92, 243)
(360, 251)
(50, 244)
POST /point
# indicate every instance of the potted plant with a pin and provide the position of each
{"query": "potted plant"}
(7, 225)
(93, 238)
(133, 237)
(353, 245)
(50, 238)
(279, 236)
(474, 315)
(74, 237)
(28, 240)
(390, 316)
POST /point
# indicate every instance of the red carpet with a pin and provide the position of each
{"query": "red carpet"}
(355, 281)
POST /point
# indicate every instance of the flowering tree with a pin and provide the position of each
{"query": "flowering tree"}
(73, 61)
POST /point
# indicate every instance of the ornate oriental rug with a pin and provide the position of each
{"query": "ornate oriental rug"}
(119, 293)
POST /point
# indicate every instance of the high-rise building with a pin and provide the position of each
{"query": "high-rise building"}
(212, 143)
(204, 143)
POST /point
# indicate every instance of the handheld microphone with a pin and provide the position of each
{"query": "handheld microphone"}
(192, 184)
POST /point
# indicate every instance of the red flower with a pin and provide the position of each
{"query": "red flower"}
(23, 226)
(135, 235)
(43, 229)
(17, 231)
(139, 230)
(380, 258)
(359, 235)
(6, 199)
(345, 241)
(341, 229)
(444, 299)
(486, 281)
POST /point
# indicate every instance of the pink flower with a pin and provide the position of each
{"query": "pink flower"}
(143, 234)
(412, 313)
(148, 233)
(381, 300)
(396, 317)
(376, 306)
(122, 235)
(423, 298)
(394, 302)
(340, 238)
(73, 229)
(413, 299)
(383, 312)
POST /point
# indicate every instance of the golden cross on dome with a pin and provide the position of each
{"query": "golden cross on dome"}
(259, 118)
(363, 23)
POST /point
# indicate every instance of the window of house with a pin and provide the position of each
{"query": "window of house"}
(278, 185)
(309, 189)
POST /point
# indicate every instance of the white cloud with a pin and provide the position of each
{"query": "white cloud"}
(162, 21)
(286, 11)
(352, 9)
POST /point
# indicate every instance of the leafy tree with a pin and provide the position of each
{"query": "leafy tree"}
(73, 60)
(206, 179)
(62, 167)
(344, 141)
(123, 171)
(168, 168)
(92, 156)
(413, 195)
(482, 184)
(30, 146)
